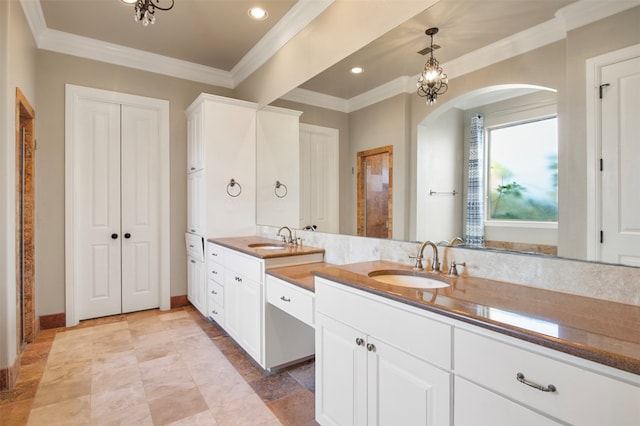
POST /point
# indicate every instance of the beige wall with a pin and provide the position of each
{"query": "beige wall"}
(54, 71)
(17, 69)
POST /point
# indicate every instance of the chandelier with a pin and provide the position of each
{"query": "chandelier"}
(145, 10)
(433, 81)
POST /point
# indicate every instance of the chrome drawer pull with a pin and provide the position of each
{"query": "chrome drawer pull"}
(284, 299)
(521, 379)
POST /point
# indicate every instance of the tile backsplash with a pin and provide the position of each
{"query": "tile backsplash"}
(608, 282)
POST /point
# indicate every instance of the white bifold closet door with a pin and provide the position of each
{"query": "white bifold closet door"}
(117, 212)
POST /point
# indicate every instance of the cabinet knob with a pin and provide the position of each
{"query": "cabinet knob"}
(360, 341)
(114, 236)
(238, 279)
(550, 388)
(371, 347)
(127, 235)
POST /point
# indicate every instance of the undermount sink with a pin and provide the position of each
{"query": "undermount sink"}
(406, 278)
(269, 246)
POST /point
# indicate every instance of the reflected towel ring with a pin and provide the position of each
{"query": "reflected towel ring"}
(278, 186)
(231, 184)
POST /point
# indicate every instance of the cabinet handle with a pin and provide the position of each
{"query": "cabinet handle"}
(284, 299)
(214, 312)
(214, 292)
(214, 272)
(214, 254)
(193, 168)
(371, 347)
(360, 341)
(521, 379)
(191, 246)
(193, 261)
(238, 279)
(193, 230)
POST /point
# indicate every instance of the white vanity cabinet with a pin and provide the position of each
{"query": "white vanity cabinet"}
(221, 143)
(584, 393)
(378, 361)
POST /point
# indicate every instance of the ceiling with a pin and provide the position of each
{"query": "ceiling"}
(219, 35)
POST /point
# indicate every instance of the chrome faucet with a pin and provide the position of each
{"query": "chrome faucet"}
(289, 240)
(435, 265)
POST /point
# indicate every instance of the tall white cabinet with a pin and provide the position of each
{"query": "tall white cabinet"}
(221, 178)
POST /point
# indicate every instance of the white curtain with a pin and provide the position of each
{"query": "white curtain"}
(475, 186)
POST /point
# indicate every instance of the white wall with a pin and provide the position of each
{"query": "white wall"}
(17, 69)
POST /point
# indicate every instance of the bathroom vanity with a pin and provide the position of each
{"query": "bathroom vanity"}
(474, 352)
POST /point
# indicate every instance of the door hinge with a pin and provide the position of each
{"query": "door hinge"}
(601, 165)
(601, 89)
(601, 237)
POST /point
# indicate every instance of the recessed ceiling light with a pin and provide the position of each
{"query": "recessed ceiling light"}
(356, 70)
(258, 13)
(129, 1)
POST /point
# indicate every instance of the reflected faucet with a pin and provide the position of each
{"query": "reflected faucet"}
(285, 239)
(435, 265)
(455, 240)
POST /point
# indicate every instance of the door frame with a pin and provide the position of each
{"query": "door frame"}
(594, 142)
(361, 210)
(73, 94)
(25, 273)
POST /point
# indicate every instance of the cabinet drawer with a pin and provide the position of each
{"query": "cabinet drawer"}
(216, 292)
(215, 253)
(389, 321)
(195, 246)
(216, 272)
(245, 265)
(216, 311)
(581, 396)
(295, 301)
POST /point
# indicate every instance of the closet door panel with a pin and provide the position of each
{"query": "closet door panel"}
(140, 186)
(97, 169)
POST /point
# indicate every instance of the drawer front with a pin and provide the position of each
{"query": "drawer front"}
(580, 397)
(295, 301)
(216, 272)
(195, 246)
(244, 265)
(389, 321)
(216, 292)
(216, 312)
(215, 253)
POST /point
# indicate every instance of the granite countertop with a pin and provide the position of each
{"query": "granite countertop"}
(298, 275)
(594, 329)
(242, 244)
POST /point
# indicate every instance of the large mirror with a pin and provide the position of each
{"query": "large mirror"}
(430, 144)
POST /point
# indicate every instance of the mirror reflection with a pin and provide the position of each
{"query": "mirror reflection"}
(546, 208)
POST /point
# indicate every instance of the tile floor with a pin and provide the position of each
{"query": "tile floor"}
(152, 368)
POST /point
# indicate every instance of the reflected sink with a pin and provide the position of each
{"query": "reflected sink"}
(406, 278)
(269, 246)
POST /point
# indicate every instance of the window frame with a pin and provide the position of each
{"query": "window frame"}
(500, 119)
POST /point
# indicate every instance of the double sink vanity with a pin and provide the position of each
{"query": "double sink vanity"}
(397, 346)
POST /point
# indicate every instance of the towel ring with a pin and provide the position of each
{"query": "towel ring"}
(278, 186)
(231, 184)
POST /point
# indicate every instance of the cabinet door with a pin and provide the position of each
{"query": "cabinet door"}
(195, 141)
(195, 202)
(196, 284)
(478, 406)
(251, 318)
(405, 390)
(341, 374)
(232, 304)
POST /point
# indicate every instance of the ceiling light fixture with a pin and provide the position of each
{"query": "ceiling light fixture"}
(258, 13)
(145, 9)
(433, 81)
(357, 70)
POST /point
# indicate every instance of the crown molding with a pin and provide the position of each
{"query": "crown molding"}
(298, 17)
(575, 15)
(303, 12)
(320, 100)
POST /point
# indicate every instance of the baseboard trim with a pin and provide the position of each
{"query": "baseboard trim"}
(53, 321)
(9, 375)
(179, 301)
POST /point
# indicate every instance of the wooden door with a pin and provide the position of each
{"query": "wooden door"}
(620, 158)
(375, 192)
(97, 161)
(140, 208)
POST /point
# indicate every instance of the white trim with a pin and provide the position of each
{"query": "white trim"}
(320, 100)
(298, 17)
(594, 143)
(72, 94)
(528, 224)
(303, 12)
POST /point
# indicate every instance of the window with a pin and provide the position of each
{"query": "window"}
(523, 171)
